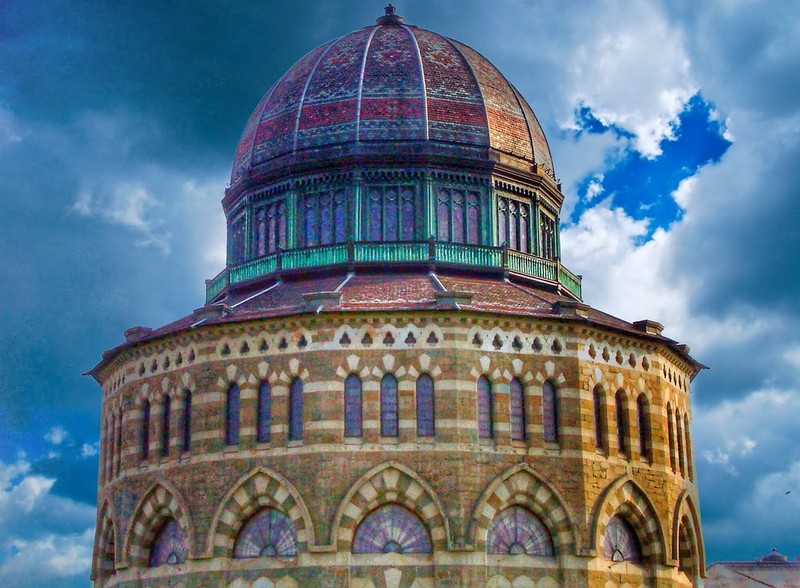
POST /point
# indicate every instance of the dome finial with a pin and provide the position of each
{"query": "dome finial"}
(390, 17)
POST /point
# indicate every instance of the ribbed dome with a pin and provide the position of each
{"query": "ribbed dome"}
(386, 84)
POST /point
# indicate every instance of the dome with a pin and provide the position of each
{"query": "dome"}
(387, 87)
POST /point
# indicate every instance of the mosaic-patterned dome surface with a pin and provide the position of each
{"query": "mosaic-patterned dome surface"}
(388, 83)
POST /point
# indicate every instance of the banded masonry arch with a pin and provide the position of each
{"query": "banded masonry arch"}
(105, 543)
(388, 483)
(522, 486)
(687, 547)
(625, 498)
(160, 502)
(261, 488)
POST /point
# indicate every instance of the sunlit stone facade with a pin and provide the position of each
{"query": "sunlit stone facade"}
(394, 382)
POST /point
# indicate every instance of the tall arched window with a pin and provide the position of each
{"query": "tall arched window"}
(671, 436)
(169, 545)
(643, 411)
(389, 416)
(187, 420)
(264, 415)
(119, 443)
(426, 424)
(296, 410)
(485, 428)
(165, 420)
(391, 213)
(458, 216)
(681, 455)
(547, 232)
(517, 401)
(109, 453)
(232, 416)
(599, 403)
(550, 412)
(622, 423)
(689, 465)
(352, 406)
(146, 429)
(514, 224)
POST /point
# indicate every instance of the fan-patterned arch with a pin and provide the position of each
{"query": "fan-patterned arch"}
(258, 490)
(391, 528)
(386, 484)
(268, 533)
(521, 487)
(627, 500)
(517, 531)
(155, 507)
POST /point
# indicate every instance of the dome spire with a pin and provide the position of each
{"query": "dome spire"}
(390, 17)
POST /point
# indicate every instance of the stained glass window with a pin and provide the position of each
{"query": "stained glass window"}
(391, 210)
(339, 217)
(443, 216)
(643, 410)
(408, 214)
(681, 456)
(599, 418)
(689, 466)
(547, 230)
(517, 531)
(268, 533)
(485, 429)
(392, 529)
(458, 216)
(391, 213)
(517, 400)
(389, 421)
(264, 416)
(296, 410)
(236, 240)
(187, 420)
(146, 429)
(620, 542)
(165, 418)
(671, 435)
(473, 218)
(457, 206)
(169, 545)
(426, 426)
(352, 406)
(622, 423)
(502, 220)
(549, 412)
(261, 232)
(513, 225)
(232, 416)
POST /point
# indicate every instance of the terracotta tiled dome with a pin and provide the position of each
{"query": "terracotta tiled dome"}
(390, 83)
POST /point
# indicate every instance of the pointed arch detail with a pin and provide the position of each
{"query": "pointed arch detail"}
(106, 548)
(626, 498)
(686, 514)
(161, 501)
(261, 488)
(390, 482)
(522, 486)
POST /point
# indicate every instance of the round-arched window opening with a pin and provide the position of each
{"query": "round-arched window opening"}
(392, 529)
(517, 531)
(268, 533)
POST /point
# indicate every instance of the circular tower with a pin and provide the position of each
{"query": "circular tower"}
(394, 381)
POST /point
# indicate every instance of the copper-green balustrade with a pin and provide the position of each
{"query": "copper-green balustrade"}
(406, 252)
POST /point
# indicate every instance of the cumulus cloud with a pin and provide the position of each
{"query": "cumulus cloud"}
(56, 435)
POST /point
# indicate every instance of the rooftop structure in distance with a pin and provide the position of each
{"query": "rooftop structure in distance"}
(774, 569)
(394, 381)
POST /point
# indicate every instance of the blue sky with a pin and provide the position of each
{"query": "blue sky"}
(675, 129)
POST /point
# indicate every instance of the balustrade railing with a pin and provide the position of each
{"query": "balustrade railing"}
(412, 252)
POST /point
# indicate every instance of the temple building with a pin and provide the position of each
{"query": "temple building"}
(394, 382)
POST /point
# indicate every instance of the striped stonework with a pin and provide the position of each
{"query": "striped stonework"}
(386, 484)
(260, 489)
(105, 543)
(521, 486)
(627, 499)
(157, 504)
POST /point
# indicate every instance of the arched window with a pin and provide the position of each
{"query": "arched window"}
(146, 429)
(517, 401)
(264, 415)
(550, 412)
(426, 424)
(681, 455)
(169, 545)
(689, 465)
(645, 445)
(108, 553)
(517, 531)
(485, 428)
(391, 529)
(599, 418)
(352, 406)
(165, 420)
(232, 416)
(268, 533)
(620, 542)
(671, 436)
(514, 224)
(458, 216)
(187, 420)
(109, 453)
(547, 231)
(622, 423)
(391, 213)
(389, 416)
(296, 410)
(686, 549)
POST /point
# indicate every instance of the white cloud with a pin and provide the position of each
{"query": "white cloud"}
(56, 435)
(43, 561)
(684, 192)
(10, 132)
(89, 449)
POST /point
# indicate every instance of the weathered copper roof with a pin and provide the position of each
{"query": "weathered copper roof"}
(386, 84)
